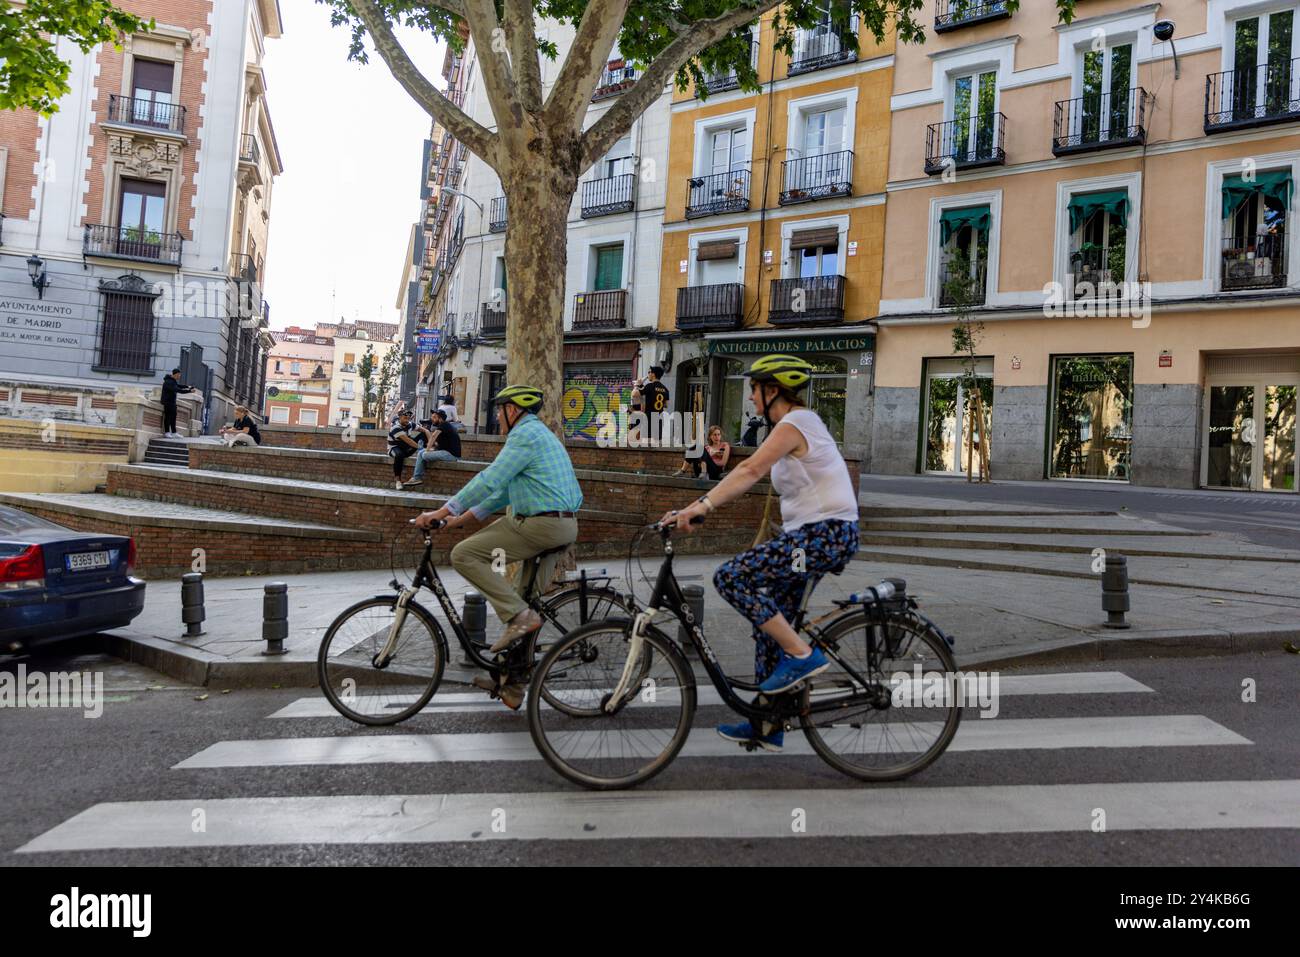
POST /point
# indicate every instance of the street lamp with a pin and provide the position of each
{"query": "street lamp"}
(40, 279)
(455, 192)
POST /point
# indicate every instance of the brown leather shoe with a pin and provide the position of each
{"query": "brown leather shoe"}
(512, 696)
(524, 623)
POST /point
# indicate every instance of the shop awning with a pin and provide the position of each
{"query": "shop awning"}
(1083, 205)
(1276, 185)
(954, 220)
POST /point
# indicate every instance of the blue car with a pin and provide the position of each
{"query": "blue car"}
(58, 583)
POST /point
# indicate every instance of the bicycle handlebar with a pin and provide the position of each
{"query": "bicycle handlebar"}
(660, 527)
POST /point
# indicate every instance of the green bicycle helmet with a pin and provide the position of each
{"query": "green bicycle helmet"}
(527, 397)
(789, 371)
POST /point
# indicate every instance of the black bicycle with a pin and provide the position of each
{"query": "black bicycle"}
(382, 659)
(629, 694)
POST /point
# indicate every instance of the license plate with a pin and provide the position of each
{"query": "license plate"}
(87, 561)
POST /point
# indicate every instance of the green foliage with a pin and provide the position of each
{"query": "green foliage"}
(648, 27)
(32, 76)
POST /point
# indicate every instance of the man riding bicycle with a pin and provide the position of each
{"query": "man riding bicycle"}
(531, 474)
(819, 515)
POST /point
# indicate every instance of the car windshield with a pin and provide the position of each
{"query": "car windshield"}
(13, 521)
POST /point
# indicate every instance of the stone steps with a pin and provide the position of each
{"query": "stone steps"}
(1175, 546)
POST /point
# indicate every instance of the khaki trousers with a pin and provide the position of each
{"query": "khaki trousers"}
(482, 558)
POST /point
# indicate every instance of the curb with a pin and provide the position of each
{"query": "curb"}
(197, 667)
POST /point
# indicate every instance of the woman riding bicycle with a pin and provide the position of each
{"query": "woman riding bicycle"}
(819, 515)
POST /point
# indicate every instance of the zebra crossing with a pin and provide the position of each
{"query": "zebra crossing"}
(674, 811)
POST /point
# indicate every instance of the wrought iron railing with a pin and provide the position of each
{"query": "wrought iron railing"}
(1259, 264)
(600, 310)
(492, 321)
(1099, 121)
(249, 150)
(829, 43)
(602, 197)
(497, 215)
(1096, 271)
(806, 300)
(243, 266)
(966, 142)
(816, 177)
(153, 114)
(1253, 96)
(126, 333)
(962, 282)
(951, 14)
(711, 308)
(718, 193)
(721, 82)
(614, 80)
(132, 242)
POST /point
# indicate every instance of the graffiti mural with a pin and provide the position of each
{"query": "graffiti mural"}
(589, 391)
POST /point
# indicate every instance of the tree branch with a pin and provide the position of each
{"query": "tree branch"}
(631, 104)
(448, 115)
(587, 58)
(523, 53)
(456, 7)
(489, 45)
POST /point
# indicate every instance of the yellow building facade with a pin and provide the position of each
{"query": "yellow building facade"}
(773, 234)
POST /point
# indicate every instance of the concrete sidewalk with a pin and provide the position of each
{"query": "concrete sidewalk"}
(997, 617)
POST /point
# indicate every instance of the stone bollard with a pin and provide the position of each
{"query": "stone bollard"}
(473, 616)
(192, 613)
(275, 617)
(1114, 591)
(695, 601)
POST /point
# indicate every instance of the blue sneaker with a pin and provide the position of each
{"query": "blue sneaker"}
(745, 732)
(791, 671)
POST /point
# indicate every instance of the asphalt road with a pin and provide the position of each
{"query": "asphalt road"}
(59, 764)
(1264, 518)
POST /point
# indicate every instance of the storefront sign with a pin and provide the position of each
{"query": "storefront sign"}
(795, 345)
(427, 341)
(1166, 360)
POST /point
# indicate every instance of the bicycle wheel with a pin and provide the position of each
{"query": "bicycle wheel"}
(876, 732)
(379, 696)
(566, 607)
(590, 746)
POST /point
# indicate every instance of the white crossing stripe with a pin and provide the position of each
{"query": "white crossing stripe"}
(582, 815)
(1086, 682)
(1139, 731)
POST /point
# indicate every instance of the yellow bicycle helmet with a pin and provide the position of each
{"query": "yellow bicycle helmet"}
(789, 371)
(527, 397)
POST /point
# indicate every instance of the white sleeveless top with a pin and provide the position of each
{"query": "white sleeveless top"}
(816, 487)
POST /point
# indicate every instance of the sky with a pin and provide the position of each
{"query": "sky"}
(351, 141)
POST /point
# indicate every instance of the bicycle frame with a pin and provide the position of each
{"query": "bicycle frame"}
(668, 596)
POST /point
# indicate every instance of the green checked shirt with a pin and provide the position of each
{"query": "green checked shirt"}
(532, 473)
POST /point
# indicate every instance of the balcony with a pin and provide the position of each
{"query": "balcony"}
(604, 197)
(133, 243)
(1096, 271)
(615, 80)
(962, 282)
(967, 143)
(350, 367)
(349, 396)
(1100, 121)
(146, 114)
(243, 268)
(1256, 96)
(825, 45)
(600, 310)
(816, 177)
(710, 308)
(807, 301)
(955, 14)
(249, 150)
(722, 82)
(497, 215)
(718, 193)
(492, 321)
(1258, 265)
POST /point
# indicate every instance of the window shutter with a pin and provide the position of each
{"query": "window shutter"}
(811, 238)
(719, 249)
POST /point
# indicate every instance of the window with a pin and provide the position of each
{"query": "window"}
(1098, 241)
(826, 396)
(956, 406)
(307, 416)
(1092, 417)
(820, 163)
(973, 129)
(1108, 109)
(1263, 65)
(819, 257)
(277, 365)
(729, 149)
(619, 160)
(345, 415)
(717, 261)
(126, 333)
(1255, 228)
(280, 414)
(295, 368)
(609, 267)
(141, 218)
(152, 93)
(349, 358)
(963, 256)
